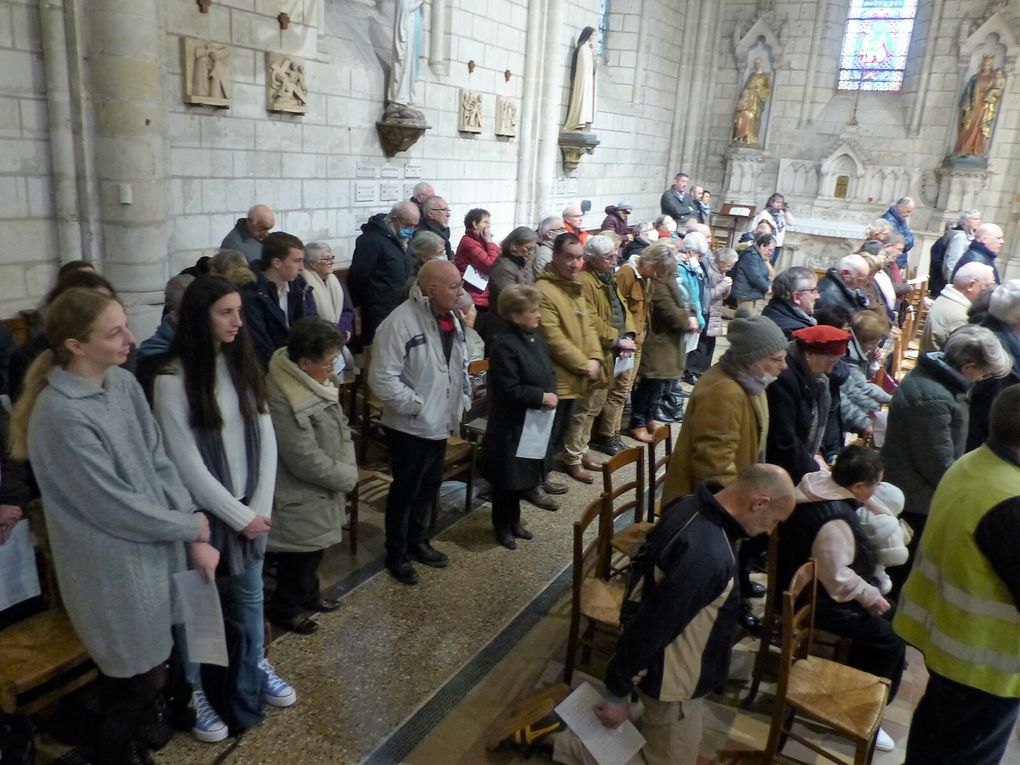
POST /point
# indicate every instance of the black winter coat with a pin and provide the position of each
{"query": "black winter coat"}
(266, 323)
(380, 268)
(831, 289)
(984, 392)
(520, 373)
(785, 317)
(750, 276)
(793, 401)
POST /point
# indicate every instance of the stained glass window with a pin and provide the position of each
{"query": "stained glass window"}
(875, 45)
(603, 27)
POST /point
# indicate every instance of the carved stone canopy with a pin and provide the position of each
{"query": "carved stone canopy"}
(764, 30)
(400, 128)
(573, 146)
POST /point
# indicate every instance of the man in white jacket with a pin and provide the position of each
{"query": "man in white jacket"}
(418, 372)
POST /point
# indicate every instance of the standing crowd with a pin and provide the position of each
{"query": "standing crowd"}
(232, 443)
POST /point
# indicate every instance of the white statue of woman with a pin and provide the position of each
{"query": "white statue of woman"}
(581, 112)
(407, 34)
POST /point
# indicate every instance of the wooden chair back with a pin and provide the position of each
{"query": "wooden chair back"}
(663, 435)
(476, 418)
(616, 493)
(770, 621)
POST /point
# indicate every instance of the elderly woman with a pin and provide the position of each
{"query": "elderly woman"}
(928, 420)
(662, 357)
(513, 266)
(1003, 318)
(478, 252)
(316, 468)
(520, 381)
(642, 235)
(332, 303)
(752, 275)
(233, 266)
(718, 284)
(425, 246)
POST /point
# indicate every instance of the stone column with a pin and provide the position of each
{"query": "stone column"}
(124, 45)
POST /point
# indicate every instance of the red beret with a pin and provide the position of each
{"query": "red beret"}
(823, 340)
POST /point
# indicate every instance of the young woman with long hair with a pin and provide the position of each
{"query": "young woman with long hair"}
(116, 510)
(210, 402)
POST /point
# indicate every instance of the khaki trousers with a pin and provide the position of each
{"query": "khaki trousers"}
(672, 731)
(586, 409)
(754, 306)
(608, 424)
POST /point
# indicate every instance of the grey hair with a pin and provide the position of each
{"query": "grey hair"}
(967, 215)
(895, 238)
(548, 224)
(727, 255)
(876, 227)
(431, 203)
(520, 235)
(425, 243)
(598, 247)
(903, 201)
(793, 279)
(695, 242)
(1005, 302)
(315, 251)
(662, 220)
(173, 293)
(852, 262)
(642, 228)
(421, 187)
(659, 255)
(973, 344)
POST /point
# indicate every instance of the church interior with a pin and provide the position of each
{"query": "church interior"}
(134, 135)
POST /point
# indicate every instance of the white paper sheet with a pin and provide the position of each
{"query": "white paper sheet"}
(607, 746)
(203, 618)
(476, 278)
(878, 428)
(535, 435)
(622, 365)
(19, 579)
(691, 341)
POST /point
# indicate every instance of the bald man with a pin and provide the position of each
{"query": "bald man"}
(988, 240)
(422, 191)
(381, 265)
(951, 306)
(247, 234)
(842, 283)
(418, 372)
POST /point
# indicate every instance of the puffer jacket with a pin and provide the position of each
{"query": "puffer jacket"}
(857, 397)
(380, 267)
(475, 251)
(718, 291)
(927, 430)
(316, 463)
(614, 222)
(569, 330)
(690, 279)
(751, 280)
(423, 394)
(596, 294)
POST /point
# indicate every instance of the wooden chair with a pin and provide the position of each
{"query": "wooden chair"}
(847, 701)
(655, 464)
(595, 597)
(367, 480)
(476, 418)
(620, 502)
(458, 464)
(771, 628)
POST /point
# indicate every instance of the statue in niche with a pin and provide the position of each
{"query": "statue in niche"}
(206, 73)
(285, 80)
(581, 111)
(751, 106)
(470, 112)
(506, 117)
(979, 106)
(407, 38)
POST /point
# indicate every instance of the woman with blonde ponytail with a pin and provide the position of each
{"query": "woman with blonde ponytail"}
(116, 510)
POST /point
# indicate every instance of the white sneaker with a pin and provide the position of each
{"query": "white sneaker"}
(884, 742)
(208, 725)
(276, 691)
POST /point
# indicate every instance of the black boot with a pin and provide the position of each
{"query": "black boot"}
(505, 538)
(520, 532)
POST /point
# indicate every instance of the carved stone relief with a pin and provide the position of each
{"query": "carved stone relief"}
(506, 117)
(285, 84)
(206, 72)
(469, 113)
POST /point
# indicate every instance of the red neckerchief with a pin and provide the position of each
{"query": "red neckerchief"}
(446, 321)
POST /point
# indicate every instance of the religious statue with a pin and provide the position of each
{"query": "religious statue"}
(470, 112)
(407, 36)
(581, 112)
(285, 81)
(206, 72)
(751, 106)
(506, 117)
(979, 106)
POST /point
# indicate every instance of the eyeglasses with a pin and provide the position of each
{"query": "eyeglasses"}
(327, 366)
(813, 291)
(440, 209)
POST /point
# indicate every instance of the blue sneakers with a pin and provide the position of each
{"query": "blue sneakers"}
(208, 725)
(275, 691)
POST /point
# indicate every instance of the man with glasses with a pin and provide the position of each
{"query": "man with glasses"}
(794, 294)
(550, 228)
(841, 284)
(435, 217)
(247, 234)
(573, 220)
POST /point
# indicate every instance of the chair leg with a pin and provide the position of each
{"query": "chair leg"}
(353, 531)
(470, 488)
(364, 423)
(568, 665)
(776, 735)
(768, 627)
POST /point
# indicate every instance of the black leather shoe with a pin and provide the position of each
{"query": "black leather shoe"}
(324, 605)
(749, 622)
(427, 555)
(554, 487)
(539, 498)
(300, 624)
(520, 532)
(505, 538)
(756, 590)
(403, 572)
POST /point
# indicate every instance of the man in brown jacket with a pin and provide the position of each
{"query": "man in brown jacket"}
(569, 330)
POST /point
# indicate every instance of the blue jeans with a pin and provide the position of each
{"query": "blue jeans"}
(241, 600)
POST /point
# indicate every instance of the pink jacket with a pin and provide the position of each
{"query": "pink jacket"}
(475, 251)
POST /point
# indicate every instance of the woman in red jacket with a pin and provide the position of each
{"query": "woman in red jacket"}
(477, 251)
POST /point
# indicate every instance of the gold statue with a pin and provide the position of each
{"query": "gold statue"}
(978, 107)
(751, 105)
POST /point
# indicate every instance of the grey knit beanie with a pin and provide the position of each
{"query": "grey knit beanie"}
(754, 338)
